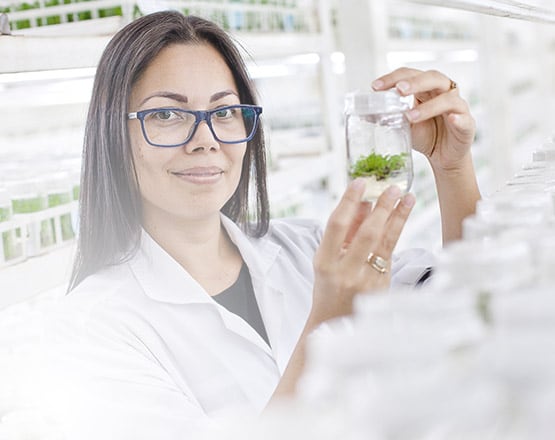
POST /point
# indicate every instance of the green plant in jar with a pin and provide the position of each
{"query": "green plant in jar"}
(377, 165)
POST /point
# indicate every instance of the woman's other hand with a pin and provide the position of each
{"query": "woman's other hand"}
(442, 127)
(357, 234)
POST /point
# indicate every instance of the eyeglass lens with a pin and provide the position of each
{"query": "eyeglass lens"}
(173, 127)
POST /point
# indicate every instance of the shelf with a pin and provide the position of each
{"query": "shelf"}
(35, 275)
(277, 45)
(431, 45)
(298, 172)
(79, 32)
(34, 53)
(499, 8)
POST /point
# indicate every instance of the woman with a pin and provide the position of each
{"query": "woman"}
(186, 303)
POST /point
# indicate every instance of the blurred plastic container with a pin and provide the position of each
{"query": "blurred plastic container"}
(28, 202)
(545, 153)
(510, 209)
(495, 266)
(10, 249)
(60, 192)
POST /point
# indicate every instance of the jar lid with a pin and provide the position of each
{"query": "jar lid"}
(364, 103)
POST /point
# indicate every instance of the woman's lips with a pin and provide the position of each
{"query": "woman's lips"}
(200, 175)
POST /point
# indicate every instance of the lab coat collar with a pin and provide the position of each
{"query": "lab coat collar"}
(164, 279)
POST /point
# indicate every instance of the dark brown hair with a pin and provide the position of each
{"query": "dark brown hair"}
(110, 202)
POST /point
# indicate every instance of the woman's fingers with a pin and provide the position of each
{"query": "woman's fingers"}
(445, 103)
(412, 81)
(388, 81)
(371, 232)
(363, 210)
(340, 223)
(428, 81)
(395, 225)
(342, 271)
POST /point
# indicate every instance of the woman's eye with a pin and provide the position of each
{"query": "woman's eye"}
(164, 115)
(224, 113)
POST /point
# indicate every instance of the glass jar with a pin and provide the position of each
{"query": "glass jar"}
(378, 141)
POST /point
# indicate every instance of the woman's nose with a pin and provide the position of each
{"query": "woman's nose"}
(203, 139)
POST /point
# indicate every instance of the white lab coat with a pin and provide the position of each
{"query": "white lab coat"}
(141, 351)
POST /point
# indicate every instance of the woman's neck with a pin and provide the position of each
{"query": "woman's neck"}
(200, 246)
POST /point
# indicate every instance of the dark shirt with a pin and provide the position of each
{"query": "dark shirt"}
(239, 299)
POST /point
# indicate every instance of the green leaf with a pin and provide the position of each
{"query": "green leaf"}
(380, 166)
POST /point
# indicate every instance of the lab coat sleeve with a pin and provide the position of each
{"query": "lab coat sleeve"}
(408, 267)
(304, 236)
(99, 383)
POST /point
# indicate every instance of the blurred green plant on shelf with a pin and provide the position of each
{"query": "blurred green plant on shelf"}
(31, 203)
(57, 199)
(11, 249)
(232, 15)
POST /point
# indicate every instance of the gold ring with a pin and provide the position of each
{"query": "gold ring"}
(378, 263)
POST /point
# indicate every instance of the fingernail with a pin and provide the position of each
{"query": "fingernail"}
(377, 84)
(358, 184)
(402, 86)
(409, 200)
(413, 115)
(393, 192)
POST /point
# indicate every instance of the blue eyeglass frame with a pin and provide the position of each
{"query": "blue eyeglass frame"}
(200, 115)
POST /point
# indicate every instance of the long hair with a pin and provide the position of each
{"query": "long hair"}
(110, 202)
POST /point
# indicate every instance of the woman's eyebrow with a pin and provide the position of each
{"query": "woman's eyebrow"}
(183, 99)
(220, 95)
(171, 95)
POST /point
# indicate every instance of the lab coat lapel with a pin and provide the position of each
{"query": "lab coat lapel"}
(261, 256)
(163, 278)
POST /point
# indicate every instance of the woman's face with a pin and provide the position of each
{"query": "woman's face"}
(194, 180)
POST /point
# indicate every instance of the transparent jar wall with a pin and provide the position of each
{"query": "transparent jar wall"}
(378, 141)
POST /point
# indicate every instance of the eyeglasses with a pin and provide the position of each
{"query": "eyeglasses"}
(173, 127)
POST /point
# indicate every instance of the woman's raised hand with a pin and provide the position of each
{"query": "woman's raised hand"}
(443, 128)
(355, 253)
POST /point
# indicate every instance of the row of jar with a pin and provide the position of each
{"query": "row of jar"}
(243, 19)
(36, 215)
(245, 15)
